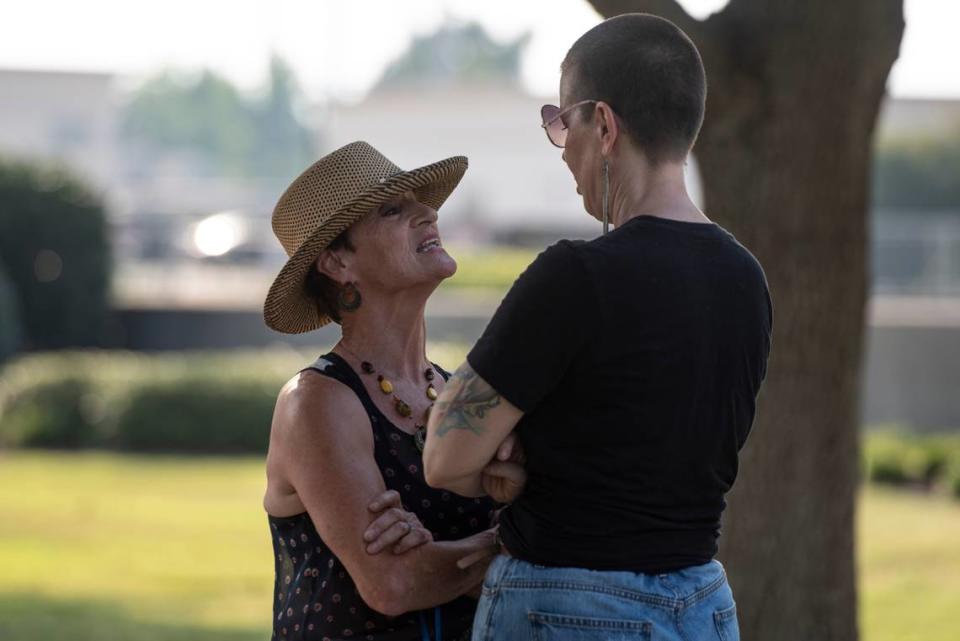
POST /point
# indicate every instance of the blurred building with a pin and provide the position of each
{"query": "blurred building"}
(74, 119)
(196, 253)
(66, 117)
(517, 188)
(918, 116)
(916, 254)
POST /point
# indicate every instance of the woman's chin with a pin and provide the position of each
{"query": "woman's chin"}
(446, 264)
(441, 264)
(592, 212)
(587, 208)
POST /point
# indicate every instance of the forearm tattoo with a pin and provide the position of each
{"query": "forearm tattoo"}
(469, 406)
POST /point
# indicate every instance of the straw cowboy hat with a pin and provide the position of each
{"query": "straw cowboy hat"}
(332, 194)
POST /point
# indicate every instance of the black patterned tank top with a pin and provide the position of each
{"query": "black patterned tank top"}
(314, 596)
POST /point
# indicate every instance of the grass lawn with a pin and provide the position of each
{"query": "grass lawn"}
(909, 563)
(97, 547)
(103, 547)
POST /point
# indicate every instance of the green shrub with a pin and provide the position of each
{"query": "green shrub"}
(122, 400)
(54, 248)
(947, 448)
(896, 457)
(937, 455)
(891, 458)
(199, 416)
(953, 479)
(63, 399)
(195, 402)
(125, 400)
(52, 417)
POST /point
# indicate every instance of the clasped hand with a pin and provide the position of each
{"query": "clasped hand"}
(503, 480)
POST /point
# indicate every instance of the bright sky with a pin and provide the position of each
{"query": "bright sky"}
(338, 48)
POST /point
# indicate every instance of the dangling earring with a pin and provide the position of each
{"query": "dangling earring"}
(606, 196)
(349, 297)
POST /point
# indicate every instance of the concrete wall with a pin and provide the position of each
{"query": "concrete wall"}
(912, 376)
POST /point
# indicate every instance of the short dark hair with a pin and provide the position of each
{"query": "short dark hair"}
(651, 75)
(323, 288)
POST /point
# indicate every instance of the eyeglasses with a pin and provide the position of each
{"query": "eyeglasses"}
(553, 124)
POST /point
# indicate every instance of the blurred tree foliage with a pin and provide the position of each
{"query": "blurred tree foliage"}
(9, 317)
(55, 250)
(455, 54)
(261, 137)
(919, 173)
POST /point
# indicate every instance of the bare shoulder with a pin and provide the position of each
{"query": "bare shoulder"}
(312, 406)
(315, 417)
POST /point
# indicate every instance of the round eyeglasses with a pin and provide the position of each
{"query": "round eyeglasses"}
(553, 123)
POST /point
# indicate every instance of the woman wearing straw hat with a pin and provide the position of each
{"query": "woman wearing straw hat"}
(363, 548)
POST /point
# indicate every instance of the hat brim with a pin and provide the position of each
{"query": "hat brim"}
(289, 308)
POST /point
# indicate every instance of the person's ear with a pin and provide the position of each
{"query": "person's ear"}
(607, 126)
(331, 264)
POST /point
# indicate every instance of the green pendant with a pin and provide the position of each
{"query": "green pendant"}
(420, 437)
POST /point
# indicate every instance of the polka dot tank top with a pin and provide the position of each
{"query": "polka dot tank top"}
(314, 596)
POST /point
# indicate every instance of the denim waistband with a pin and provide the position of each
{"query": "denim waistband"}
(673, 590)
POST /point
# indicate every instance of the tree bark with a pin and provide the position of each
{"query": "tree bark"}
(784, 154)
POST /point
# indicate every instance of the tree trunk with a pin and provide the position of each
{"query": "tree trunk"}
(794, 91)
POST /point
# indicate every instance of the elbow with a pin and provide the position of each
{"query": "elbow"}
(437, 464)
(387, 595)
(434, 477)
(465, 486)
(439, 478)
(433, 471)
(443, 471)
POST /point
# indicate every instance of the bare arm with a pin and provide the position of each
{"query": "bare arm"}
(468, 423)
(325, 450)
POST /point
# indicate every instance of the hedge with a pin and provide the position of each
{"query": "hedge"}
(219, 402)
(130, 401)
(222, 402)
(893, 456)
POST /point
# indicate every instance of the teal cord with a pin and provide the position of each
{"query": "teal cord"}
(437, 625)
(424, 630)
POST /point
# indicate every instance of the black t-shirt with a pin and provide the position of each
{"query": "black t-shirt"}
(636, 359)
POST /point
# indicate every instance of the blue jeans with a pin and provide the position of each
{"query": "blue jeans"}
(522, 601)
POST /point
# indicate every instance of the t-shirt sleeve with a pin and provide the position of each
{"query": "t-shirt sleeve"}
(538, 330)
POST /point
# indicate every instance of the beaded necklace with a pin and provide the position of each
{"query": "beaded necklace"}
(399, 405)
